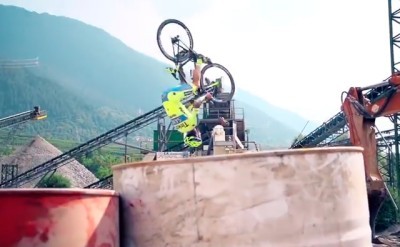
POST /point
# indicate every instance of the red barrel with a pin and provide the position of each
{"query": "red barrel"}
(59, 218)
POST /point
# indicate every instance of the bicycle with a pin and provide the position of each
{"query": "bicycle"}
(183, 56)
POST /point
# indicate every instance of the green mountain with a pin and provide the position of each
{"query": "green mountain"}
(69, 116)
(91, 82)
(83, 58)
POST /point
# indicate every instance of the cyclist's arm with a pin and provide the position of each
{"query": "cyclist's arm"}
(193, 110)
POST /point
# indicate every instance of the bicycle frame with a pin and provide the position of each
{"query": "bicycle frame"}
(189, 92)
(179, 65)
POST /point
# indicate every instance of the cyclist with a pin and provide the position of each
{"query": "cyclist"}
(184, 118)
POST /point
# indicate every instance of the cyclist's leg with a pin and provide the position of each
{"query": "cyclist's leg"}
(199, 62)
(197, 73)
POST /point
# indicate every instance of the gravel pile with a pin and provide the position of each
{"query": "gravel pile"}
(39, 151)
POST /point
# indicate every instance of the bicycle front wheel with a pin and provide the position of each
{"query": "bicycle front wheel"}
(180, 38)
(217, 80)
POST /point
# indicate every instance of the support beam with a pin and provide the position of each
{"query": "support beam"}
(394, 35)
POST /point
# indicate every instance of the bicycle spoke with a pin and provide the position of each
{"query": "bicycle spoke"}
(184, 41)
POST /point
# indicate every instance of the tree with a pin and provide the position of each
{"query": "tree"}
(388, 214)
(55, 181)
(100, 162)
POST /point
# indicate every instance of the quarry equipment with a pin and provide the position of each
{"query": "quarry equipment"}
(360, 108)
(35, 114)
(91, 145)
(360, 113)
(141, 121)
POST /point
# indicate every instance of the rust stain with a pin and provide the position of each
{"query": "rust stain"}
(44, 237)
(19, 220)
(90, 230)
(136, 203)
(105, 245)
(29, 216)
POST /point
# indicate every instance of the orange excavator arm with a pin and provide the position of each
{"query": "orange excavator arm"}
(361, 109)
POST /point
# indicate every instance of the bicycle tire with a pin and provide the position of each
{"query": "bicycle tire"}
(159, 43)
(203, 85)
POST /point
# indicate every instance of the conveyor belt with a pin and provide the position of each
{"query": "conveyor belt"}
(22, 117)
(383, 138)
(89, 146)
(107, 182)
(337, 124)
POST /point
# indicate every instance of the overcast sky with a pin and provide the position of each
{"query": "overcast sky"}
(299, 55)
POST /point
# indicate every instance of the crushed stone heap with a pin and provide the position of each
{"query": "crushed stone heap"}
(39, 151)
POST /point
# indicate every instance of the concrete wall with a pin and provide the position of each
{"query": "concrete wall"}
(304, 197)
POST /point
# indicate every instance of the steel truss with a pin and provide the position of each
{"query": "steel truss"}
(394, 35)
(91, 145)
(8, 172)
(385, 153)
(336, 126)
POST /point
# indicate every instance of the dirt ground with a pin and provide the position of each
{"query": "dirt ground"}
(390, 237)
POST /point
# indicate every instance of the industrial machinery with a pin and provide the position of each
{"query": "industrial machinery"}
(211, 112)
(139, 122)
(91, 145)
(35, 114)
(360, 113)
(360, 108)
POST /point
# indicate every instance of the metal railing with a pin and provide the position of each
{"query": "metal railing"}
(215, 113)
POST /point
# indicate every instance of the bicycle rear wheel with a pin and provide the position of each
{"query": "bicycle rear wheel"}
(180, 50)
(218, 85)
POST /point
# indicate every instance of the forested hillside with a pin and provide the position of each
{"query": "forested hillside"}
(83, 58)
(69, 116)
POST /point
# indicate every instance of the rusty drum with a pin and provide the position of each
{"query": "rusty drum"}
(59, 217)
(305, 197)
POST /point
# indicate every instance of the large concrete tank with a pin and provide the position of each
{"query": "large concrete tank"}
(59, 218)
(304, 197)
